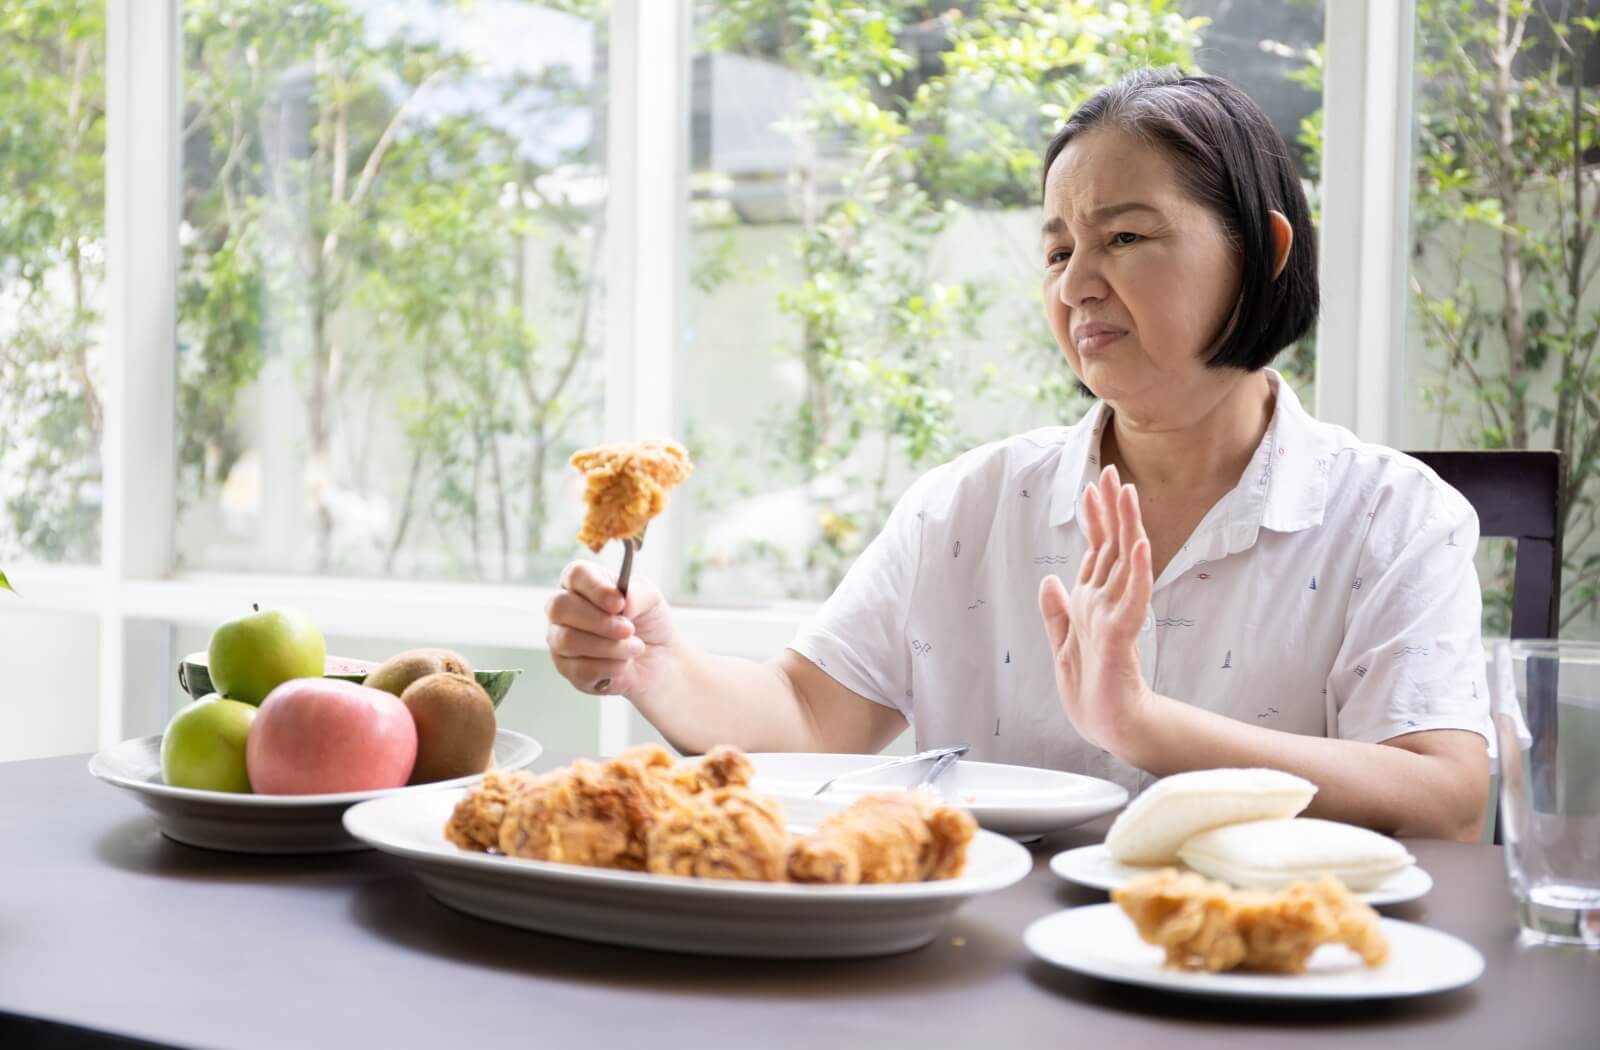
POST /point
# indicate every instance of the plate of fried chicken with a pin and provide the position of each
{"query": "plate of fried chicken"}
(683, 855)
(1312, 939)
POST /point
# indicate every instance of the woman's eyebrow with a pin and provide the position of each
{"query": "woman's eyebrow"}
(1100, 216)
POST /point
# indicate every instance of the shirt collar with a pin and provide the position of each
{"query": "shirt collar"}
(1284, 488)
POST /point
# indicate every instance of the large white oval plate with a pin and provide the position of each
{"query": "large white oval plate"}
(1100, 940)
(1022, 801)
(1094, 867)
(673, 913)
(239, 823)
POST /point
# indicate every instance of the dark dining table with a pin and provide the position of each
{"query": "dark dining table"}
(111, 935)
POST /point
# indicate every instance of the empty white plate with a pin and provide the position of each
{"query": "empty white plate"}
(1013, 800)
(240, 823)
(674, 913)
(1101, 941)
(1094, 867)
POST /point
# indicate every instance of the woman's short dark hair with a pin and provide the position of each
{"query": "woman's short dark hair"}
(1230, 159)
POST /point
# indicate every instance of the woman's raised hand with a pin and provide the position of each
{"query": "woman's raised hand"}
(1094, 630)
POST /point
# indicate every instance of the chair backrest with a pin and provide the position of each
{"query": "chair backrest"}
(1518, 494)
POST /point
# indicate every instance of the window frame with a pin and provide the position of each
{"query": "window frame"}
(138, 594)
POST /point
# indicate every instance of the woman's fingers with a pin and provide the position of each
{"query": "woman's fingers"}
(1086, 567)
(568, 641)
(592, 676)
(1092, 529)
(1134, 604)
(1130, 528)
(1053, 609)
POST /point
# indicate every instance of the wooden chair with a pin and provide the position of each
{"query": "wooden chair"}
(1518, 494)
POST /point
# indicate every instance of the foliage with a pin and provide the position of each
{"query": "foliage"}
(52, 232)
(1505, 211)
(912, 141)
(364, 206)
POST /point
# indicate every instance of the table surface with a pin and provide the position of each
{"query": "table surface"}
(109, 929)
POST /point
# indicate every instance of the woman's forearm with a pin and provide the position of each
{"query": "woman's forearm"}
(1389, 788)
(708, 699)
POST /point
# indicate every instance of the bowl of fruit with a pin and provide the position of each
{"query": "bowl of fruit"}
(280, 739)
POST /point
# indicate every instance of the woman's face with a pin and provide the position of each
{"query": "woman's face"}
(1139, 280)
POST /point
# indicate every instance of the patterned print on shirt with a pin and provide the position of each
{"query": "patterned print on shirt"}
(1172, 621)
(956, 553)
(1053, 559)
(1008, 656)
(1227, 661)
(1025, 494)
(1361, 670)
(975, 604)
(920, 647)
(1357, 585)
(1413, 650)
(1313, 583)
(1267, 713)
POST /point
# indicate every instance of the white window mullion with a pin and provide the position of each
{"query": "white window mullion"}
(137, 453)
(647, 172)
(1367, 106)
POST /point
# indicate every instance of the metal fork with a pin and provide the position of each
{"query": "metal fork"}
(629, 545)
(944, 762)
(940, 753)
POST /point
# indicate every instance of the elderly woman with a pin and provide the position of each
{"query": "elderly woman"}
(1241, 585)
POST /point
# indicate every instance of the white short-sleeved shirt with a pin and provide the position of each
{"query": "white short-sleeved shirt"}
(1332, 592)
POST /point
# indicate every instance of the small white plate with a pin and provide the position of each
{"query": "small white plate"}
(1022, 801)
(1092, 866)
(240, 823)
(674, 913)
(1101, 941)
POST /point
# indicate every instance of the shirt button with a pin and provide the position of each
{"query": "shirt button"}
(1149, 621)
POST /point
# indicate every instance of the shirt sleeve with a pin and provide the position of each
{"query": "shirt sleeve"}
(858, 637)
(1412, 657)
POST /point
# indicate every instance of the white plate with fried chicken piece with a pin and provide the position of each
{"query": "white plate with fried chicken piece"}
(1101, 941)
(1021, 801)
(708, 916)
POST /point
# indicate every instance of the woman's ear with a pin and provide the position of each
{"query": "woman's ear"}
(1282, 240)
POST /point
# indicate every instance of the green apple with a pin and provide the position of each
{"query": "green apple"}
(204, 745)
(253, 655)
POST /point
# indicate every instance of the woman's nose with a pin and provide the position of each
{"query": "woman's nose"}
(1081, 282)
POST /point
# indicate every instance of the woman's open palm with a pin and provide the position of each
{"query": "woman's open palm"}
(1094, 630)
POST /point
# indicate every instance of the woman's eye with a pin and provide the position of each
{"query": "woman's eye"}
(1125, 239)
(1059, 256)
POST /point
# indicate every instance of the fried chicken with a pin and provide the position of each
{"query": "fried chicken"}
(597, 814)
(646, 811)
(721, 833)
(1206, 925)
(899, 837)
(584, 814)
(475, 823)
(626, 486)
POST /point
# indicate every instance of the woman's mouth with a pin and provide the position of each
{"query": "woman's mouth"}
(1095, 336)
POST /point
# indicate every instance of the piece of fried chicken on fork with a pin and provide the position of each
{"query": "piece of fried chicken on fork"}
(625, 485)
(906, 836)
(1207, 925)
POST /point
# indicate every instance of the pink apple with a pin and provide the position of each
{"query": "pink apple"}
(321, 735)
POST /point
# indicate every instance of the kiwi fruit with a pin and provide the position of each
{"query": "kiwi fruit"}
(397, 673)
(455, 726)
